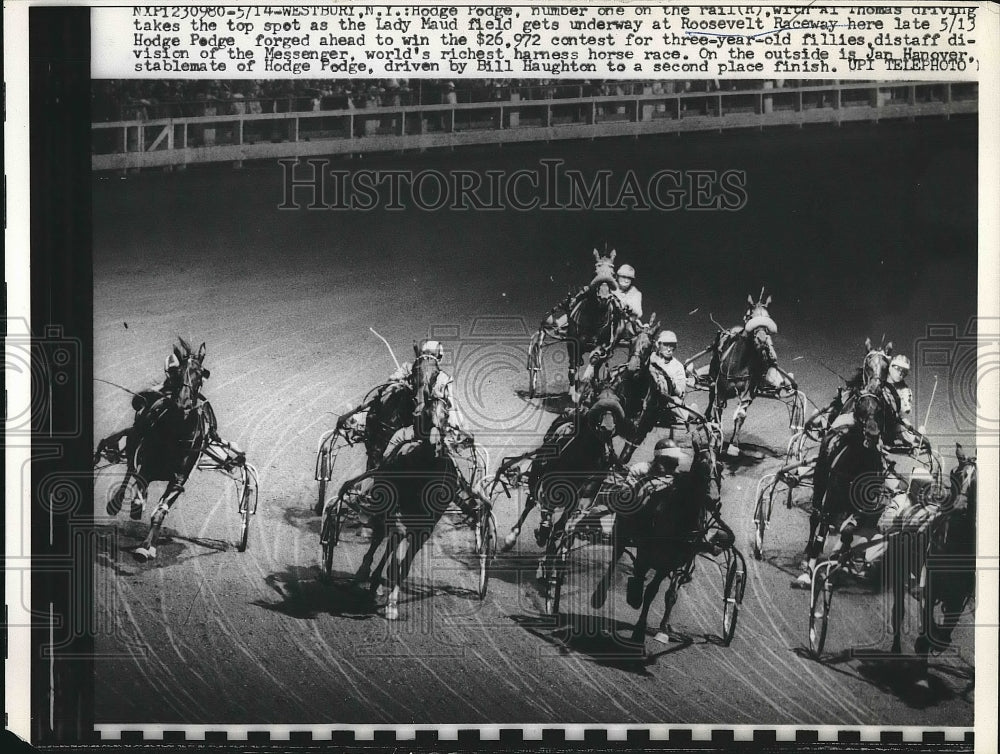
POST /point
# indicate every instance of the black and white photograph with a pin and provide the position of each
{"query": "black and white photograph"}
(457, 400)
(495, 423)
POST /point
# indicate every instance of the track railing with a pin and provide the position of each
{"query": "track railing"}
(170, 142)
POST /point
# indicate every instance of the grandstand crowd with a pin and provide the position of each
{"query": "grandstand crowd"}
(121, 100)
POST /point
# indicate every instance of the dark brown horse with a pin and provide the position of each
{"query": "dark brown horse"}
(875, 366)
(850, 475)
(935, 538)
(591, 321)
(680, 521)
(165, 442)
(744, 366)
(411, 488)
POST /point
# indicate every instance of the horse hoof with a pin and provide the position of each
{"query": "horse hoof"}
(510, 540)
(142, 554)
(135, 513)
(115, 504)
(733, 451)
(391, 612)
(598, 598)
(633, 592)
(804, 581)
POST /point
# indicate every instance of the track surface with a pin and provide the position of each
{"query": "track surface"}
(856, 232)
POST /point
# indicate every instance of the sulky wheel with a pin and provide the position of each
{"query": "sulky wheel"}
(329, 536)
(732, 597)
(486, 548)
(819, 610)
(245, 513)
(323, 475)
(762, 512)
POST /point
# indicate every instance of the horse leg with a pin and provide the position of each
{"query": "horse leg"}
(414, 542)
(115, 503)
(739, 416)
(378, 536)
(391, 535)
(600, 594)
(147, 550)
(138, 504)
(652, 589)
(814, 545)
(669, 600)
(515, 530)
(896, 567)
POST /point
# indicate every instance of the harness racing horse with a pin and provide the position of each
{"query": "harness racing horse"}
(939, 543)
(875, 366)
(669, 531)
(165, 443)
(575, 454)
(409, 404)
(850, 475)
(593, 320)
(745, 365)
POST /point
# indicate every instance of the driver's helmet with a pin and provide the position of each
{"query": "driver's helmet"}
(902, 363)
(667, 337)
(626, 271)
(432, 348)
(667, 453)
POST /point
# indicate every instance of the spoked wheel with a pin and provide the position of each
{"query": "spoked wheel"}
(330, 534)
(535, 363)
(762, 512)
(322, 474)
(486, 549)
(819, 610)
(732, 597)
(245, 513)
(553, 592)
(557, 574)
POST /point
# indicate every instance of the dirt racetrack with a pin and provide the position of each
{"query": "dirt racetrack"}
(855, 232)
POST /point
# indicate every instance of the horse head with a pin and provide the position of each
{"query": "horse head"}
(604, 281)
(642, 344)
(871, 414)
(876, 363)
(758, 326)
(429, 412)
(964, 482)
(188, 366)
(606, 415)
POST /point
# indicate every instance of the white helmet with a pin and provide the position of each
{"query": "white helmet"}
(432, 348)
(666, 337)
(899, 360)
(626, 271)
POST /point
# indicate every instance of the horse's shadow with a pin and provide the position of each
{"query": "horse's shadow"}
(896, 675)
(551, 402)
(172, 548)
(306, 592)
(751, 454)
(601, 640)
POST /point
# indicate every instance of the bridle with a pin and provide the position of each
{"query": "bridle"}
(871, 372)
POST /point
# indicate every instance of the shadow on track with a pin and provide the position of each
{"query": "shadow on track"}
(172, 548)
(553, 403)
(598, 640)
(898, 676)
(306, 593)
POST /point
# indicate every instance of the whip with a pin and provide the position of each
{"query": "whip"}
(930, 403)
(386, 345)
(115, 384)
